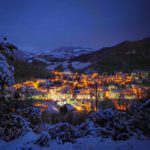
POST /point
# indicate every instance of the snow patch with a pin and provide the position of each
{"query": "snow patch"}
(80, 65)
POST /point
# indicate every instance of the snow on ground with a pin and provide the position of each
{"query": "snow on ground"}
(76, 65)
(16, 144)
(80, 65)
(53, 66)
(88, 143)
(68, 52)
(65, 66)
(42, 60)
(53, 109)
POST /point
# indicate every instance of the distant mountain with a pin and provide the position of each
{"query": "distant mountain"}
(57, 56)
(126, 56)
(62, 52)
(38, 63)
(69, 52)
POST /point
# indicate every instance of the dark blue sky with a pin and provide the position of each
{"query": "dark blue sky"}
(48, 24)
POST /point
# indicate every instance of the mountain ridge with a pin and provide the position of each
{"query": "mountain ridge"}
(124, 56)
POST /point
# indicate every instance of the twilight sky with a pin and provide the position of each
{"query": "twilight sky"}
(48, 24)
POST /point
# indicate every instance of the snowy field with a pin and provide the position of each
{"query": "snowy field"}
(26, 142)
(121, 131)
(76, 65)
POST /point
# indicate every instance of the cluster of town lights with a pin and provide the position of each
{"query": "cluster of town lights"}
(87, 87)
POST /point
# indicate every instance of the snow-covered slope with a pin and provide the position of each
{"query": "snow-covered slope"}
(65, 65)
(62, 52)
(89, 143)
(80, 65)
(68, 52)
(60, 57)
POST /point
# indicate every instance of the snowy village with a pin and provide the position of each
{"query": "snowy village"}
(71, 106)
(73, 97)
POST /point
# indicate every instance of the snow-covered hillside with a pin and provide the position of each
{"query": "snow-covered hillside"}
(60, 58)
(62, 52)
(68, 52)
(65, 65)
